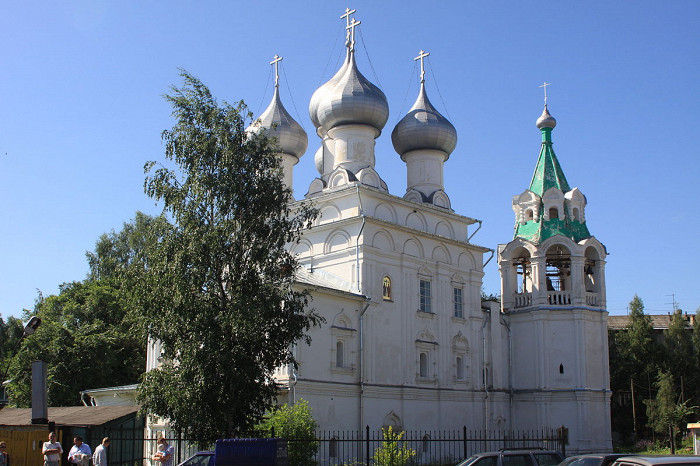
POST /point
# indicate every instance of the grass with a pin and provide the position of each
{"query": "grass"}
(659, 447)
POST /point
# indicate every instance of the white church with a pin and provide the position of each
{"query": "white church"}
(408, 341)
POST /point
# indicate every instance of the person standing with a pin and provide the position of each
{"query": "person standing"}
(80, 453)
(4, 456)
(52, 451)
(166, 457)
(99, 458)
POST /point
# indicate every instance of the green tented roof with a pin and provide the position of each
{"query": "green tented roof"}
(548, 174)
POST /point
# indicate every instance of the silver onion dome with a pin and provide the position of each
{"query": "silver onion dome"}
(352, 100)
(291, 137)
(424, 128)
(318, 95)
(546, 120)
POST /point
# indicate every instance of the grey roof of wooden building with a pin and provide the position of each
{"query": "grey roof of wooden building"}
(658, 321)
(68, 416)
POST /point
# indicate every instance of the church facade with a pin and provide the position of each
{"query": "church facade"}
(407, 340)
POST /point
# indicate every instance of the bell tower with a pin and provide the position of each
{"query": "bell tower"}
(553, 299)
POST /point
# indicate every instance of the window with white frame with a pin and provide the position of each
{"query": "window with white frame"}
(339, 354)
(425, 303)
(423, 365)
(458, 302)
(342, 345)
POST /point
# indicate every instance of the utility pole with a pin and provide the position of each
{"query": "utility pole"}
(634, 410)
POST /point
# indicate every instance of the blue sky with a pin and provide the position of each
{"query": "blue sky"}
(81, 111)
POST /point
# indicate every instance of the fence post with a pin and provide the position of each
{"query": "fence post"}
(563, 434)
(464, 441)
(367, 445)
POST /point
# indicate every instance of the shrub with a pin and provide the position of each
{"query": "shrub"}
(392, 451)
(296, 424)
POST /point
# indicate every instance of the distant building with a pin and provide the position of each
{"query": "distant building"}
(659, 323)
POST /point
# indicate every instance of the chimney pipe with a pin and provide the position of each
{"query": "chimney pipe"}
(40, 411)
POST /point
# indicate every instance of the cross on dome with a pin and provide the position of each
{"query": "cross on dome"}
(351, 28)
(421, 55)
(347, 14)
(544, 85)
(275, 62)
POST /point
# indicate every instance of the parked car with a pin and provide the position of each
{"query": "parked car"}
(515, 457)
(666, 460)
(602, 459)
(201, 458)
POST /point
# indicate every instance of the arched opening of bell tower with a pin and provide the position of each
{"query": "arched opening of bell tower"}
(558, 275)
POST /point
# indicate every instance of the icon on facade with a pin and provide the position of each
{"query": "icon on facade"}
(386, 289)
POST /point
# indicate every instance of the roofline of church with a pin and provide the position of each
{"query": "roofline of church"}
(337, 192)
(336, 291)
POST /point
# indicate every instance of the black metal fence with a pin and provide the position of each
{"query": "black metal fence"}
(434, 448)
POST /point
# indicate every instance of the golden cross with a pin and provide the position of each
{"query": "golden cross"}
(544, 85)
(421, 56)
(351, 28)
(276, 61)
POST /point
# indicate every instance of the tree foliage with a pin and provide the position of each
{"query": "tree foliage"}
(392, 451)
(10, 334)
(678, 359)
(85, 337)
(115, 252)
(665, 410)
(216, 290)
(295, 422)
(85, 341)
(634, 355)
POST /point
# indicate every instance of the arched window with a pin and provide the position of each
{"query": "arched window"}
(561, 368)
(339, 356)
(575, 214)
(592, 271)
(558, 269)
(426, 443)
(460, 368)
(529, 215)
(553, 213)
(523, 273)
(423, 365)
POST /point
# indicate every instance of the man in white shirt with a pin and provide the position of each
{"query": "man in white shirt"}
(52, 451)
(99, 458)
(80, 453)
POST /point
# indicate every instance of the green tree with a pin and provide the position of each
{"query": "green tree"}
(85, 342)
(85, 337)
(694, 382)
(216, 291)
(633, 358)
(296, 423)
(116, 251)
(665, 413)
(392, 451)
(678, 353)
(10, 334)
